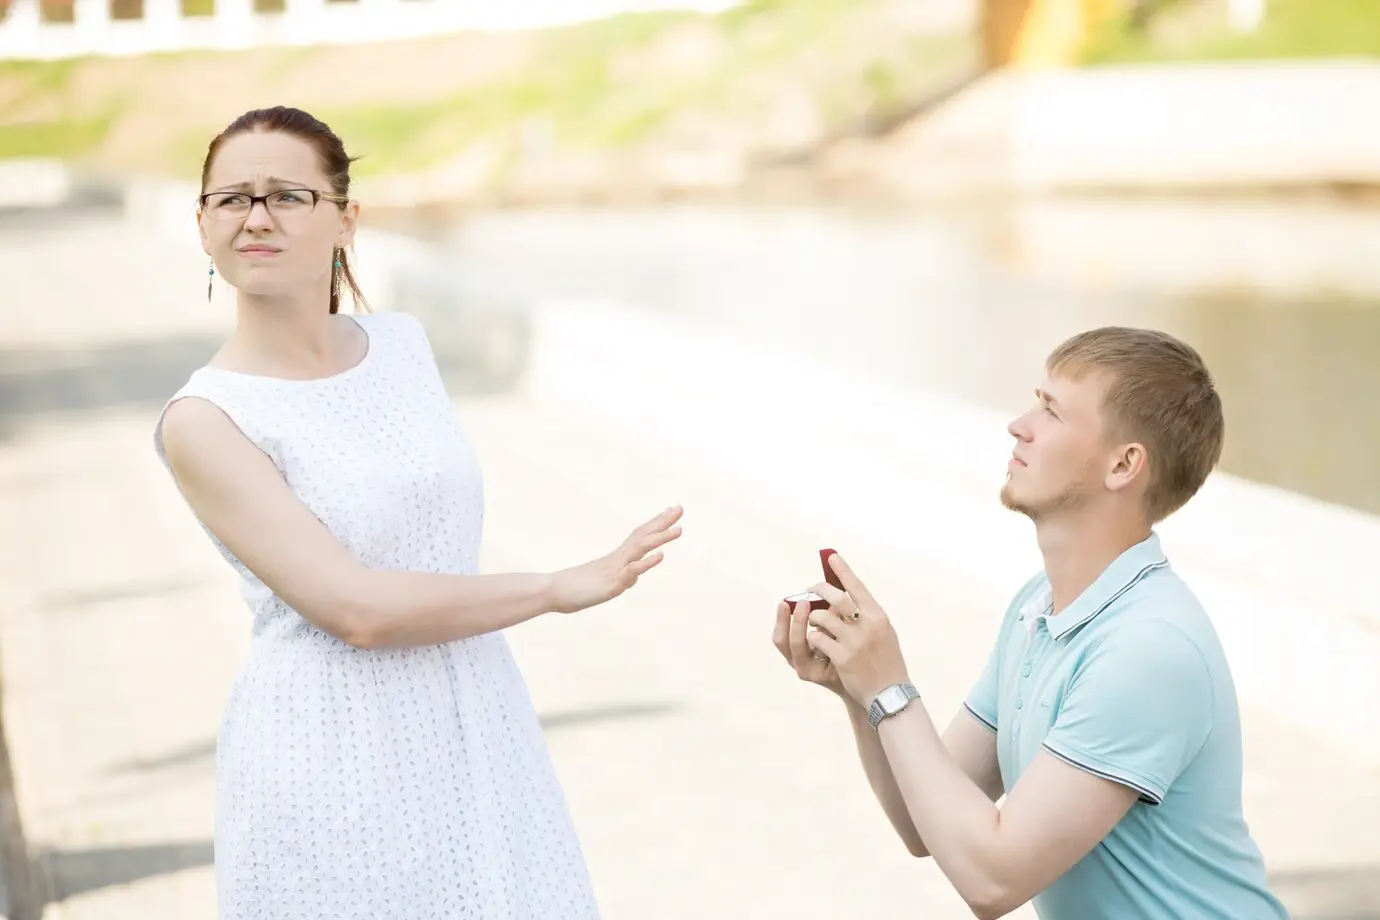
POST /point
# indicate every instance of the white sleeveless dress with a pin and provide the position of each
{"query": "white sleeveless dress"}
(370, 784)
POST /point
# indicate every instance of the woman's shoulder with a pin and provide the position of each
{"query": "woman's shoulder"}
(402, 333)
(198, 422)
(398, 322)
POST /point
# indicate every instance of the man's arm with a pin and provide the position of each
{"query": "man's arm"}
(971, 745)
(998, 859)
(971, 740)
(1113, 742)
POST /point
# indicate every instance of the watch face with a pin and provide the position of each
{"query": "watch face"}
(892, 699)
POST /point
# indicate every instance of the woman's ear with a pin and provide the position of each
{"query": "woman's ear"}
(349, 222)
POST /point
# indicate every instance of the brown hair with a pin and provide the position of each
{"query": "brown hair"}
(334, 163)
(1160, 393)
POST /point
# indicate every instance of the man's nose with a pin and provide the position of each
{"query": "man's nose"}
(1019, 427)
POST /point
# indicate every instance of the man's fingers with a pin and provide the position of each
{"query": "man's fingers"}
(781, 632)
(820, 641)
(829, 621)
(841, 603)
(827, 591)
(851, 583)
(800, 651)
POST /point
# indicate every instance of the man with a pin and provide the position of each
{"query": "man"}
(1106, 713)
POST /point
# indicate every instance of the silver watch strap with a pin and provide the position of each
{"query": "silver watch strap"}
(875, 712)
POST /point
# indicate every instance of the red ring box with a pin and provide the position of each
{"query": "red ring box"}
(817, 602)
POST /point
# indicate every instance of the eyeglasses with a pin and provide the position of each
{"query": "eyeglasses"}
(284, 204)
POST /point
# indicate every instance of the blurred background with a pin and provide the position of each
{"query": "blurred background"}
(791, 263)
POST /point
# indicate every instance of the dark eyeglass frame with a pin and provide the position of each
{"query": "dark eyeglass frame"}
(316, 198)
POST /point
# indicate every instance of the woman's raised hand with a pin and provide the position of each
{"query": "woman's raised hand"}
(603, 579)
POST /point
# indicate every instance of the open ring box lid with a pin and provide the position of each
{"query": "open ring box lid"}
(817, 602)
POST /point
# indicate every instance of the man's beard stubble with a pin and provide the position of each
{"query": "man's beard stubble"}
(1070, 499)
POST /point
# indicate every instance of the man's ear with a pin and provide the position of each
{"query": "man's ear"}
(1129, 465)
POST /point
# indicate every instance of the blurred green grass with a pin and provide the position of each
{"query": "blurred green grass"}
(40, 139)
(611, 84)
(1184, 31)
(616, 84)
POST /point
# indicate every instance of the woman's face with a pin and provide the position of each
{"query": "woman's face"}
(286, 244)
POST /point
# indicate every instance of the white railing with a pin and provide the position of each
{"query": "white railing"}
(24, 35)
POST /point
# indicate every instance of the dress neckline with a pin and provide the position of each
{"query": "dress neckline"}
(370, 347)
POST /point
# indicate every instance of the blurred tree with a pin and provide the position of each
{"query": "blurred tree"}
(1142, 11)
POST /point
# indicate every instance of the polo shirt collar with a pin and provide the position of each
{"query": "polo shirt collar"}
(1127, 569)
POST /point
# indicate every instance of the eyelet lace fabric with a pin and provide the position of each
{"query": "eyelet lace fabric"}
(358, 784)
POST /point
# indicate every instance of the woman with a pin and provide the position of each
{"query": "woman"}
(379, 755)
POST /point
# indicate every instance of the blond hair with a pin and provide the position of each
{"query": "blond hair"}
(1159, 392)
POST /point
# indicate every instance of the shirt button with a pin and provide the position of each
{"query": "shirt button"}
(1025, 669)
(1019, 704)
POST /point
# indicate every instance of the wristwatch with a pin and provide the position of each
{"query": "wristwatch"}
(890, 701)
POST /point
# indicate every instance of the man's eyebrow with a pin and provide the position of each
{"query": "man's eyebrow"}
(1041, 394)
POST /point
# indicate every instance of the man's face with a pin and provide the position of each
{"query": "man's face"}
(1058, 462)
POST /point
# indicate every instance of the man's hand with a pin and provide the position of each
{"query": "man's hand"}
(605, 578)
(856, 636)
(789, 638)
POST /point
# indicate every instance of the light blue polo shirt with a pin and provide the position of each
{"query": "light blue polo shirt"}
(1131, 683)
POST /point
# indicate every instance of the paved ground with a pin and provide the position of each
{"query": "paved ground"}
(705, 780)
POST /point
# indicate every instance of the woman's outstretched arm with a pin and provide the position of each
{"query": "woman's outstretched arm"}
(236, 491)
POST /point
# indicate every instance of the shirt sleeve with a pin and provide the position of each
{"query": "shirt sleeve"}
(1138, 709)
(981, 701)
